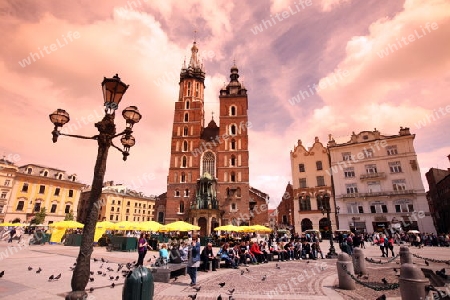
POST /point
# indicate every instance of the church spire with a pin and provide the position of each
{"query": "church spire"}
(195, 67)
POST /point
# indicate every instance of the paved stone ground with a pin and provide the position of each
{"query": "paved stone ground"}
(307, 279)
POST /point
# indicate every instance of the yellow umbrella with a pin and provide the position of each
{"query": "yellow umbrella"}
(179, 226)
(260, 228)
(105, 225)
(125, 225)
(228, 228)
(149, 226)
(67, 224)
(6, 224)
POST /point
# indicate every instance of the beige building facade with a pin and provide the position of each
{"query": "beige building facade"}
(378, 184)
(312, 188)
(7, 175)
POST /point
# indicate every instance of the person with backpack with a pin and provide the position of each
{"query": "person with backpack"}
(11, 234)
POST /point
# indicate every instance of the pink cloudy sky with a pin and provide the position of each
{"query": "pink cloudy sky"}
(147, 41)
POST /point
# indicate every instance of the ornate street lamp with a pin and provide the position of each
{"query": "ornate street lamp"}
(327, 209)
(113, 91)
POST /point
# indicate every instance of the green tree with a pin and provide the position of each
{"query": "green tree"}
(39, 217)
(69, 216)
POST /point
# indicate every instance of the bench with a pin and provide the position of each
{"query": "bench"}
(165, 273)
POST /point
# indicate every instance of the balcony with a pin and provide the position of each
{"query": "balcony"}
(380, 175)
(378, 194)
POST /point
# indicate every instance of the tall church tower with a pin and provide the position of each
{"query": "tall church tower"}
(233, 155)
(188, 122)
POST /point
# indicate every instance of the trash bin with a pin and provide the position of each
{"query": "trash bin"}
(139, 285)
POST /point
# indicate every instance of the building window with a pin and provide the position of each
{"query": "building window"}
(371, 169)
(160, 217)
(233, 144)
(45, 173)
(185, 131)
(41, 189)
(399, 185)
(368, 153)
(351, 188)
(238, 192)
(25, 187)
(187, 104)
(346, 155)
(186, 192)
(355, 208)
(186, 117)
(404, 207)
(37, 207)
(111, 218)
(126, 218)
(3, 195)
(128, 203)
(127, 211)
(185, 146)
(209, 164)
(67, 209)
(233, 160)
(7, 181)
(29, 171)
(302, 183)
(301, 167)
(184, 162)
(373, 186)
(113, 202)
(320, 181)
(20, 205)
(181, 207)
(392, 150)
(117, 218)
(70, 193)
(319, 165)
(233, 206)
(60, 176)
(349, 172)
(305, 203)
(53, 209)
(378, 208)
(233, 177)
(57, 190)
(177, 193)
(112, 208)
(395, 167)
(232, 110)
(233, 129)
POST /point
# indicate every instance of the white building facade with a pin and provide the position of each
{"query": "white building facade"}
(377, 183)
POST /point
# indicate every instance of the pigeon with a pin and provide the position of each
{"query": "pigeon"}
(219, 297)
(111, 277)
(103, 260)
(91, 272)
(193, 297)
(117, 277)
(38, 270)
(366, 277)
(395, 269)
(242, 272)
(109, 269)
(427, 263)
(99, 272)
(264, 278)
(360, 274)
(95, 260)
(101, 267)
(2, 273)
(57, 277)
(91, 289)
(384, 280)
(277, 266)
(74, 264)
(230, 297)
(222, 284)
(197, 289)
(72, 268)
(307, 262)
(30, 268)
(247, 270)
(231, 291)
(382, 297)
(51, 277)
(91, 279)
(104, 274)
(113, 284)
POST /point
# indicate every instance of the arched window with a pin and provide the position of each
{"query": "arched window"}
(185, 131)
(305, 202)
(186, 192)
(60, 176)
(177, 193)
(232, 110)
(29, 170)
(187, 104)
(233, 160)
(181, 208)
(185, 146)
(238, 192)
(233, 129)
(184, 162)
(45, 173)
(209, 163)
(183, 177)
(186, 117)
(233, 177)
(233, 144)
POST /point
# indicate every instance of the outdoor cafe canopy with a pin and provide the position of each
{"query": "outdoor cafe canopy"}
(178, 226)
(67, 224)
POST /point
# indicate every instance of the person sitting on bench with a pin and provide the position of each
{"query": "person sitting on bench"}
(207, 256)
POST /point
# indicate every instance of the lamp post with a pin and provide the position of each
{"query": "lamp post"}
(326, 209)
(113, 90)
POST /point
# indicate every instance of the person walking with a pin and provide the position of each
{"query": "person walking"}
(11, 234)
(390, 246)
(193, 260)
(142, 250)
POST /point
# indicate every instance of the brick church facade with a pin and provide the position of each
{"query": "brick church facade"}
(208, 180)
